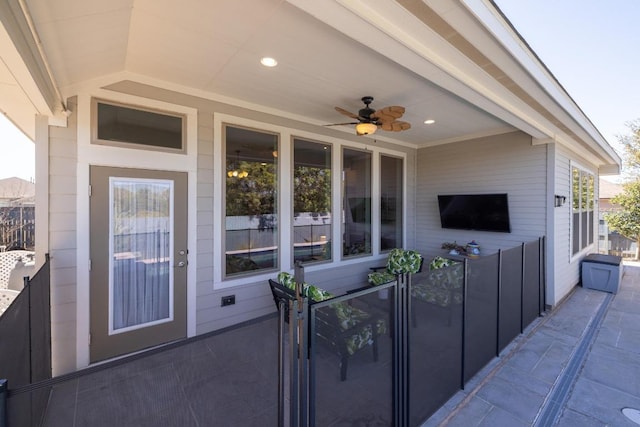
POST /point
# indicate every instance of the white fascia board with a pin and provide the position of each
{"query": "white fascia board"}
(25, 75)
(29, 101)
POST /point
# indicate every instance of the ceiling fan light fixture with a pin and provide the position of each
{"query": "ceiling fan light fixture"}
(366, 128)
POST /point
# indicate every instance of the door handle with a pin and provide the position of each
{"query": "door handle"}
(181, 264)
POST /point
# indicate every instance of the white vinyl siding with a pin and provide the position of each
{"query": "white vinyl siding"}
(63, 243)
(567, 267)
(499, 164)
(70, 156)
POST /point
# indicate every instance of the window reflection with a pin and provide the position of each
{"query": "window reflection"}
(390, 203)
(251, 223)
(356, 203)
(311, 201)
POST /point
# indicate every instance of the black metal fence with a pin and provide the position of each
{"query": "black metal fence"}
(25, 351)
(397, 352)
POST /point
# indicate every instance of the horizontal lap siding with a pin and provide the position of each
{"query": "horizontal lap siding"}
(254, 299)
(498, 164)
(62, 242)
(567, 271)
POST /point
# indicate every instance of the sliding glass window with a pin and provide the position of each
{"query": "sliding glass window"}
(356, 202)
(251, 215)
(311, 201)
(390, 202)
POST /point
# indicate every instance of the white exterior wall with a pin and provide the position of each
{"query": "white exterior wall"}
(71, 154)
(62, 242)
(567, 266)
(506, 163)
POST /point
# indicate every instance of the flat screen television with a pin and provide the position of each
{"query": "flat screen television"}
(482, 212)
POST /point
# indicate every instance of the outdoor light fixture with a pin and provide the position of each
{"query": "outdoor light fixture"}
(560, 200)
(366, 128)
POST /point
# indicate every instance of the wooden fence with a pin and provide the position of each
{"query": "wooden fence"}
(17, 227)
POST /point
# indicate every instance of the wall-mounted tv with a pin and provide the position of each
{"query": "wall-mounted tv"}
(483, 212)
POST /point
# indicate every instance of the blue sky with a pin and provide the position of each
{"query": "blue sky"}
(590, 46)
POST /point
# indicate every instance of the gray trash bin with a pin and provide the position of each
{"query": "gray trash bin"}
(602, 272)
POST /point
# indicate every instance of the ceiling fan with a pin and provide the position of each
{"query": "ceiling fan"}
(369, 120)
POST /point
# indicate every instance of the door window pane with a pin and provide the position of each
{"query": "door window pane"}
(251, 218)
(390, 203)
(356, 203)
(141, 252)
(311, 201)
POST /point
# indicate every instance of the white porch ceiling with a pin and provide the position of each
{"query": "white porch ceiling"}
(215, 47)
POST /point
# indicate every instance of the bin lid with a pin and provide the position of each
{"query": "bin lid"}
(603, 259)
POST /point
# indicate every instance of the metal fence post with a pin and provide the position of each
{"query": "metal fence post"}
(3, 403)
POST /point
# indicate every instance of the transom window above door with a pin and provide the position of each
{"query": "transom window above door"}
(133, 127)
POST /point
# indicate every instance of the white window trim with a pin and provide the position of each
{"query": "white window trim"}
(285, 201)
(102, 155)
(131, 145)
(580, 254)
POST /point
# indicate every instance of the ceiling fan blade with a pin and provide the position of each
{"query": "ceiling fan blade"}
(394, 111)
(346, 113)
(398, 126)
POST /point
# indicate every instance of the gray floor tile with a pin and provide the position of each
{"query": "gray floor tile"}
(129, 400)
(552, 363)
(570, 418)
(499, 417)
(602, 402)
(614, 368)
(523, 379)
(513, 398)
(61, 410)
(472, 414)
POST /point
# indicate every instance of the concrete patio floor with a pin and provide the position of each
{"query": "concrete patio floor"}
(576, 366)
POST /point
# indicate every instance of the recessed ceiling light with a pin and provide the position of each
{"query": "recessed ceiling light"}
(268, 62)
(429, 122)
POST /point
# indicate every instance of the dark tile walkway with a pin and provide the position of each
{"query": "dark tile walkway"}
(214, 381)
(517, 388)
